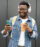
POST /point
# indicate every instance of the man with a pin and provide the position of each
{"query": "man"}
(23, 28)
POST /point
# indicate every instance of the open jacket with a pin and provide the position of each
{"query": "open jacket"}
(16, 30)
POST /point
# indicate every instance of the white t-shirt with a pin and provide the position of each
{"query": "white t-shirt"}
(22, 35)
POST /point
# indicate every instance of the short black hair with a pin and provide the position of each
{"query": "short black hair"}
(24, 3)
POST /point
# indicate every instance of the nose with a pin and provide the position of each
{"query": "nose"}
(21, 11)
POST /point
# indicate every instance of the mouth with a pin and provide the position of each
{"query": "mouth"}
(21, 13)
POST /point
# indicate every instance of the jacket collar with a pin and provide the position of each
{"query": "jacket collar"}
(18, 18)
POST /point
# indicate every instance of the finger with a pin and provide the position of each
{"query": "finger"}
(26, 23)
(7, 25)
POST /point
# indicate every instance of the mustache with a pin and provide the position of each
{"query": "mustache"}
(22, 16)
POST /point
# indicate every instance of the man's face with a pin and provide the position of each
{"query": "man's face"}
(22, 9)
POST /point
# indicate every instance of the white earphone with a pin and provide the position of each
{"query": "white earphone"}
(29, 9)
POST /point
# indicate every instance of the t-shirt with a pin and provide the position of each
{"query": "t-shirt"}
(22, 35)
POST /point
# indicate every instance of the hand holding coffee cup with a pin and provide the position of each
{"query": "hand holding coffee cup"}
(22, 27)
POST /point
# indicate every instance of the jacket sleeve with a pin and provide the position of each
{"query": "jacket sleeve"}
(3, 34)
(34, 28)
(8, 33)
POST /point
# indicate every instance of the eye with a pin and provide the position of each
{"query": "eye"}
(22, 9)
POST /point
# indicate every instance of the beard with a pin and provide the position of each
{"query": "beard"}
(23, 16)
